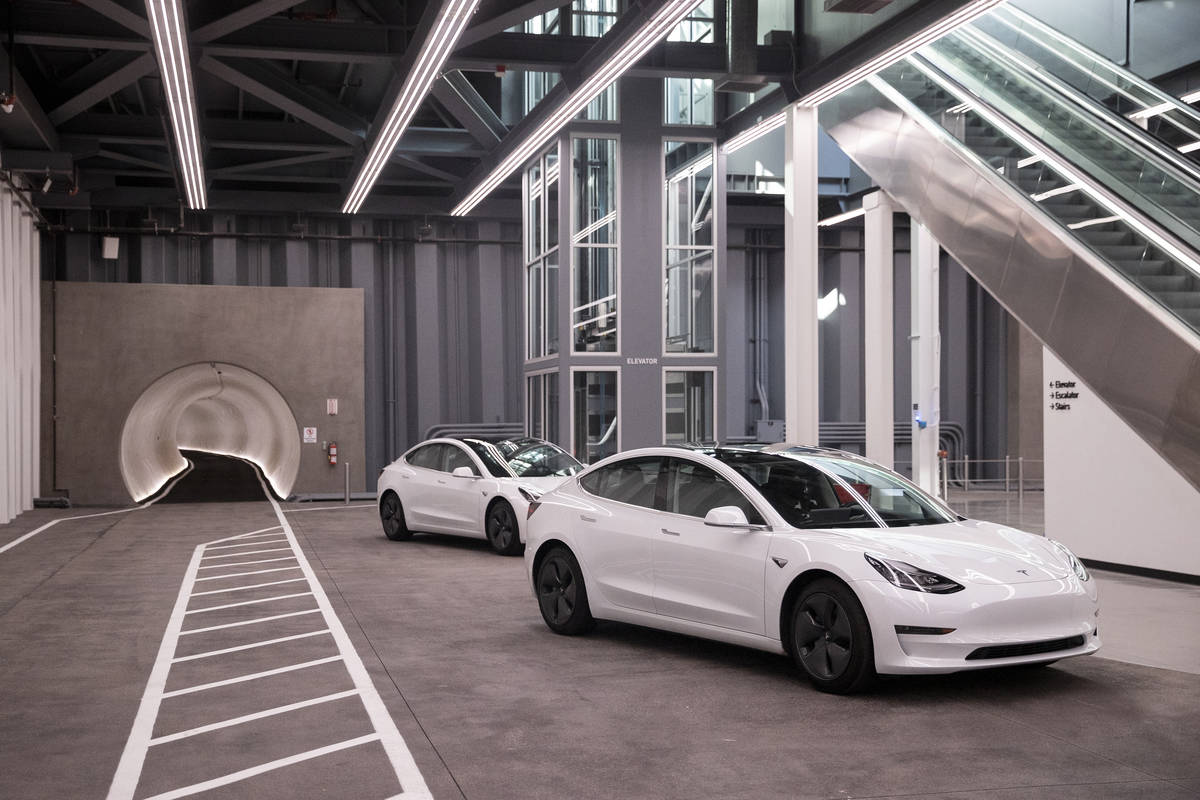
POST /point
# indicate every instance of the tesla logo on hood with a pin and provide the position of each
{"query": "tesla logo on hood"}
(1023, 571)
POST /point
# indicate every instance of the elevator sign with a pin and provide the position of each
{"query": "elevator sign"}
(310, 435)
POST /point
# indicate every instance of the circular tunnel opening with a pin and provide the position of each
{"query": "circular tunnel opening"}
(223, 412)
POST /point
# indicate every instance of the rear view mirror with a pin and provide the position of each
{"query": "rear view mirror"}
(464, 472)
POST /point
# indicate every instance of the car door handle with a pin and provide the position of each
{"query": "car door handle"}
(441, 481)
(670, 533)
(406, 477)
(587, 518)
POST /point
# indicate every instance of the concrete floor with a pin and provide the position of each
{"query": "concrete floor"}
(490, 704)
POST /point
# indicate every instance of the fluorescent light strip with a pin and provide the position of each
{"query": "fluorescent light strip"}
(170, 45)
(661, 23)
(446, 30)
(1189, 147)
(961, 108)
(835, 219)
(760, 128)
(899, 51)
(1029, 161)
(1191, 97)
(1040, 196)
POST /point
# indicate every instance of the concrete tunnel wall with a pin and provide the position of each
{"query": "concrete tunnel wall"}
(127, 381)
(216, 408)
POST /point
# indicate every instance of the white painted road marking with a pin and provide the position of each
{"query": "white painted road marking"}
(141, 738)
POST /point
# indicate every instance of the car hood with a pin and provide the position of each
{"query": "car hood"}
(970, 552)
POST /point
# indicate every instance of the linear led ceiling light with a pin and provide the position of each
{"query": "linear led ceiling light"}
(660, 23)
(170, 44)
(451, 21)
(843, 217)
(760, 128)
(899, 51)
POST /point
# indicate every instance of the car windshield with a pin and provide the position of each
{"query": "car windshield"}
(897, 501)
(803, 495)
(533, 458)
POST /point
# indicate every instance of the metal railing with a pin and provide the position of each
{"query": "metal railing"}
(1008, 474)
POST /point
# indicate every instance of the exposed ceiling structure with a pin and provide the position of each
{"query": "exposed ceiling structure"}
(291, 95)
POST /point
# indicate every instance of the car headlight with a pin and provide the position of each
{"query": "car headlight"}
(906, 576)
(1076, 565)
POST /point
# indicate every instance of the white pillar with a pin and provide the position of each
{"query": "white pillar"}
(801, 374)
(926, 358)
(879, 357)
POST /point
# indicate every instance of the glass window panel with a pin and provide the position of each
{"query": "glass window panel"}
(535, 421)
(595, 411)
(551, 303)
(701, 102)
(594, 316)
(592, 17)
(689, 404)
(550, 415)
(429, 456)
(534, 310)
(595, 186)
(696, 26)
(633, 481)
(457, 457)
(701, 208)
(551, 204)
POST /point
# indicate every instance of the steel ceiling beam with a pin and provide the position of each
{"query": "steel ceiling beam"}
(114, 82)
(420, 166)
(290, 161)
(278, 89)
(285, 53)
(242, 18)
(465, 104)
(515, 14)
(119, 14)
(27, 125)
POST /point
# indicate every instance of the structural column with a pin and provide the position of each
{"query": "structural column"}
(926, 358)
(879, 356)
(802, 373)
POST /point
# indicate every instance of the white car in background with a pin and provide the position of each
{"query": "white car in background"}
(822, 555)
(470, 487)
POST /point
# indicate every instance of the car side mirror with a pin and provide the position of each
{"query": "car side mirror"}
(727, 517)
(464, 472)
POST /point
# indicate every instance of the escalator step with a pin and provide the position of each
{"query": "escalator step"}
(1180, 300)
(1102, 237)
(1191, 315)
(1165, 283)
(1130, 253)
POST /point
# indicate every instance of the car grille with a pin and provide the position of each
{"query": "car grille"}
(1026, 649)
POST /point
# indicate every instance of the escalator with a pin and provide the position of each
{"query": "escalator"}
(1058, 197)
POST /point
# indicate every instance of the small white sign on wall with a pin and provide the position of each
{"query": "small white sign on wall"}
(310, 435)
(331, 406)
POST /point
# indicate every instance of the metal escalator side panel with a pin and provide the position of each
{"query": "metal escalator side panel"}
(1143, 362)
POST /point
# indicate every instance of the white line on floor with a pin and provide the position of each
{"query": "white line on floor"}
(242, 775)
(250, 602)
(251, 586)
(54, 522)
(270, 712)
(329, 508)
(241, 574)
(250, 563)
(247, 553)
(251, 646)
(255, 621)
(256, 543)
(253, 676)
(411, 780)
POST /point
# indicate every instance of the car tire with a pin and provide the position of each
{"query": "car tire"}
(562, 596)
(831, 638)
(391, 515)
(502, 529)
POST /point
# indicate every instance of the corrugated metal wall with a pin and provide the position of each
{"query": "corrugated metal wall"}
(20, 366)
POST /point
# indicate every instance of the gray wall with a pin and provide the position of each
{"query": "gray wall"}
(112, 341)
(440, 321)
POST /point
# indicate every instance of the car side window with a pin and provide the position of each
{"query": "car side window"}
(429, 457)
(457, 457)
(633, 481)
(694, 490)
(488, 455)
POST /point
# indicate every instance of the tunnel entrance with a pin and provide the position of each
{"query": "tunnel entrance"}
(215, 478)
(213, 409)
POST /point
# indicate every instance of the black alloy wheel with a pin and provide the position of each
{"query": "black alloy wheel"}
(831, 638)
(391, 514)
(502, 531)
(561, 594)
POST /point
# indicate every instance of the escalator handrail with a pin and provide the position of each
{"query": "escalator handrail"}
(1114, 69)
(1159, 152)
(1100, 194)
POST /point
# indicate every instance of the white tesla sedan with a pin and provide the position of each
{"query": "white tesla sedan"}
(844, 565)
(470, 487)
